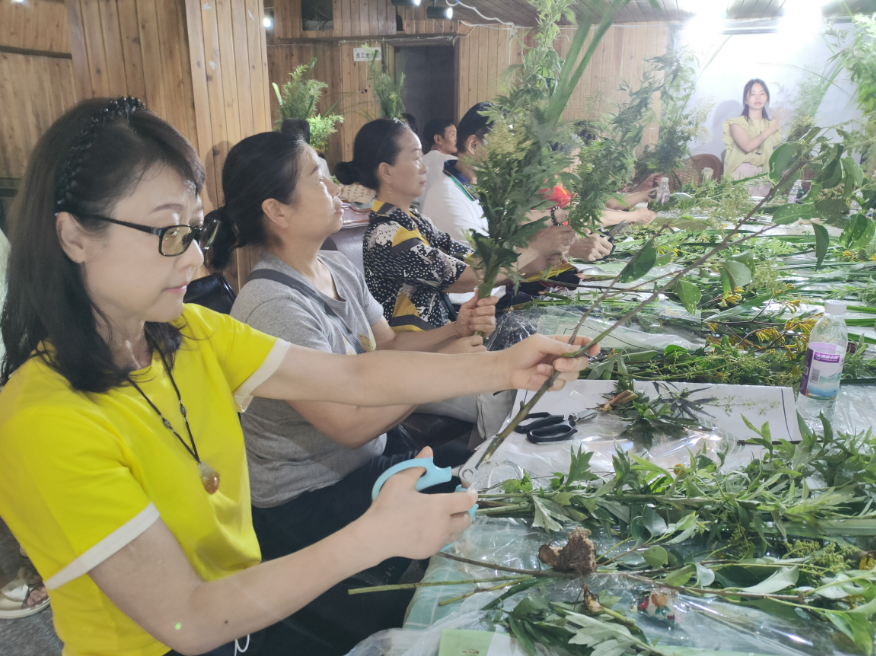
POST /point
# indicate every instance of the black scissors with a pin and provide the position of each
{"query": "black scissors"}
(552, 428)
(615, 231)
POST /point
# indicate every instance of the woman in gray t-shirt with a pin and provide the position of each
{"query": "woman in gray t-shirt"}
(312, 464)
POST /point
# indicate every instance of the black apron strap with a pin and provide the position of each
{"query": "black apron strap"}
(312, 294)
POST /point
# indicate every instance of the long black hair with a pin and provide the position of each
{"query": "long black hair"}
(377, 142)
(747, 90)
(258, 168)
(88, 160)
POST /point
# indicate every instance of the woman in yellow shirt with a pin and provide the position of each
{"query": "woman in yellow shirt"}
(124, 473)
(752, 137)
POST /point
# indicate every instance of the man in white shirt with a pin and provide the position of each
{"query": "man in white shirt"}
(439, 140)
(454, 209)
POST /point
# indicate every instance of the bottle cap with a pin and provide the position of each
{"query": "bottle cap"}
(835, 307)
(664, 179)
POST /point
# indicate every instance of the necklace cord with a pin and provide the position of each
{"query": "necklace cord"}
(193, 450)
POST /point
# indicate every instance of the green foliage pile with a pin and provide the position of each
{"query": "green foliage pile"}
(298, 99)
(387, 89)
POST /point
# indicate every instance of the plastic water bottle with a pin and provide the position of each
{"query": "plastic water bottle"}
(823, 367)
(663, 191)
(795, 191)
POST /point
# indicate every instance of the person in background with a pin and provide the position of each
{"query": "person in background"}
(453, 207)
(124, 471)
(299, 128)
(411, 266)
(411, 122)
(752, 137)
(439, 144)
(312, 464)
(617, 211)
(409, 263)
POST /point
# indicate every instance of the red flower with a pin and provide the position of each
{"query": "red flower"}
(559, 195)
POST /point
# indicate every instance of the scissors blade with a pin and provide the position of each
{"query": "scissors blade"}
(475, 468)
(615, 230)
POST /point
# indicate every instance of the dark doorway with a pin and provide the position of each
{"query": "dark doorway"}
(429, 82)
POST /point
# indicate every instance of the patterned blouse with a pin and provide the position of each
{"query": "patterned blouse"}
(409, 264)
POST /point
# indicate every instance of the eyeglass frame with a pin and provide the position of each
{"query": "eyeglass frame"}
(160, 232)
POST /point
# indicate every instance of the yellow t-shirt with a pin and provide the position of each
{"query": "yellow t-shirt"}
(760, 156)
(85, 474)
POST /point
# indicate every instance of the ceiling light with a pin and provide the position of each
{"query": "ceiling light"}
(803, 17)
(439, 13)
(406, 3)
(268, 22)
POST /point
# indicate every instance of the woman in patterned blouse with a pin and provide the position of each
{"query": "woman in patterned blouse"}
(410, 265)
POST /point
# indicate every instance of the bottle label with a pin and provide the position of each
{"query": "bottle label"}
(821, 374)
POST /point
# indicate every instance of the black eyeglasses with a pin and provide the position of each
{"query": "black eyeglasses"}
(173, 240)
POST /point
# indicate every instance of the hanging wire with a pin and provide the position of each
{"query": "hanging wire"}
(454, 3)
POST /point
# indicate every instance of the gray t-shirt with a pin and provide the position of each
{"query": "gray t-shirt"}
(287, 455)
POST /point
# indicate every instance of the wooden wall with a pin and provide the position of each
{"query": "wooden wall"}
(358, 18)
(200, 65)
(486, 53)
(229, 74)
(348, 90)
(483, 57)
(36, 77)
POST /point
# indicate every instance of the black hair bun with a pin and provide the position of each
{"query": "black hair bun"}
(347, 173)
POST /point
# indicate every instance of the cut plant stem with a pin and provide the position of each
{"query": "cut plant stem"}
(503, 568)
(433, 584)
(507, 584)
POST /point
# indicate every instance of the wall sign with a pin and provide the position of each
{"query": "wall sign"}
(366, 54)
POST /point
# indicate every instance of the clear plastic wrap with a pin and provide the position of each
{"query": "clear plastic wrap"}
(704, 624)
(658, 326)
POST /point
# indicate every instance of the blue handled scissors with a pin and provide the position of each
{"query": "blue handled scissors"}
(434, 476)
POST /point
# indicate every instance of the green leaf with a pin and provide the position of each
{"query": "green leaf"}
(740, 275)
(655, 524)
(543, 516)
(647, 465)
(641, 263)
(792, 212)
(726, 282)
(822, 243)
(518, 629)
(680, 576)
(830, 209)
(780, 580)
(689, 295)
(831, 170)
(853, 170)
(705, 576)
(687, 526)
(854, 229)
(510, 592)
(579, 470)
(866, 610)
(781, 159)
(856, 627)
(656, 556)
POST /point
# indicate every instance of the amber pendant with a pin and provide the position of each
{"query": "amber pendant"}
(209, 477)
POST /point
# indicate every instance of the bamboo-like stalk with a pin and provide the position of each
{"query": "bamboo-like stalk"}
(433, 584)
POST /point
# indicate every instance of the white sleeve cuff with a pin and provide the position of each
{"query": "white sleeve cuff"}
(107, 547)
(243, 394)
